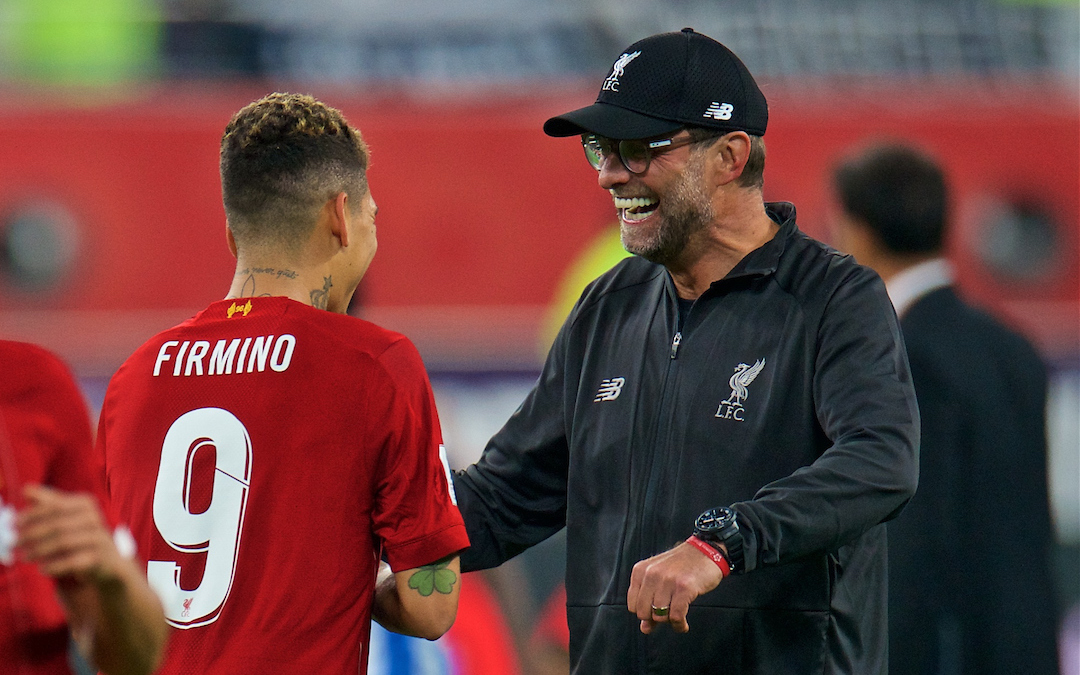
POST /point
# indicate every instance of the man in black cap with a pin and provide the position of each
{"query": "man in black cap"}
(725, 420)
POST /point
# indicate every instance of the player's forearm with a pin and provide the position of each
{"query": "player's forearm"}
(421, 602)
(114, 616)
(118, 622)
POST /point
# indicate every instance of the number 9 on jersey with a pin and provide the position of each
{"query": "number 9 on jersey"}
(214, 531)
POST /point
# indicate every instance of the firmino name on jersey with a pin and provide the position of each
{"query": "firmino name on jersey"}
(227, 357)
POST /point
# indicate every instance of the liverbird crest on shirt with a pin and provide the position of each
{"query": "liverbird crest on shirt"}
(732, 407)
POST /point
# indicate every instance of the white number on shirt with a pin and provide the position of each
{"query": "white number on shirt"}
(216, 530)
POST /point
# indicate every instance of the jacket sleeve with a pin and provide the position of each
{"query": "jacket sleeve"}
(515, 495)
(866, 408)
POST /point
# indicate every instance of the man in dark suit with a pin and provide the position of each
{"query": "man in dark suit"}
(970, 583)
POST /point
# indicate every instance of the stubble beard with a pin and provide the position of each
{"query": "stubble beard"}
(687, 211)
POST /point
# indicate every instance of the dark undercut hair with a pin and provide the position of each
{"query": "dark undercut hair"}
(899, 193)
(282, 158)
(753, 174)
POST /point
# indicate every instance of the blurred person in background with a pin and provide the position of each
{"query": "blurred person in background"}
(970, 579)
(270, 450)
(63, 576)
(735, 386)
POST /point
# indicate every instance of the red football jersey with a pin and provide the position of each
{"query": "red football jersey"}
(45, 439)
(265, 454)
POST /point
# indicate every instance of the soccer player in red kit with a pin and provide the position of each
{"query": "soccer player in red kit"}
(270, 451)
(61, 574)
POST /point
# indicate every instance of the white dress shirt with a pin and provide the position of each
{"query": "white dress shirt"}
(914, 282)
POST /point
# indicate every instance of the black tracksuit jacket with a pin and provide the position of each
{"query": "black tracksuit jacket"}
(635, 427)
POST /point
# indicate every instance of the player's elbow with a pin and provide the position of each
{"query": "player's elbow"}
(428, 597)
(435, 624)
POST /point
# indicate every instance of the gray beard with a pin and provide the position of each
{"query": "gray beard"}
(688, 211)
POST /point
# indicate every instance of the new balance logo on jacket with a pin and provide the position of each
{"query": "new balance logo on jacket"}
(610, 389)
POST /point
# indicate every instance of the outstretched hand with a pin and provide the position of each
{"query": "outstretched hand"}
(673, 579)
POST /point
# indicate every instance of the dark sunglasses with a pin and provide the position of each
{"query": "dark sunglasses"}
(635, 155)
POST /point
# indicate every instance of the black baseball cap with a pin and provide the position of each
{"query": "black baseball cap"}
(666, 82)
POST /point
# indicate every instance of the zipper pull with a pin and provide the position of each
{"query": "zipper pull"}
(675, 345)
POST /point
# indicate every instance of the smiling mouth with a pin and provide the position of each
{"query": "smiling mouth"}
(635, 209)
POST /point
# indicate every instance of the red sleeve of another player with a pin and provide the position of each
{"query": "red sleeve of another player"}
(415, 515)
(72, 464)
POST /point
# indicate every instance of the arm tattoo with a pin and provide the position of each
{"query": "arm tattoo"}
(320, 299)
(431, 578)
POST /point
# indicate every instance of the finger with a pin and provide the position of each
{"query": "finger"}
(81, 554)
(46, 536)
(69, 563)
(69, 512)
(678, 611)
(660, 611)
(647, 626)
(640, 599)
(34, 493)
(45, 495)
(634, 593)
(36, 526)
(41, 499)
(680, 626)
(656, 592)
(51, 544)
(645, 608)
(40, 512)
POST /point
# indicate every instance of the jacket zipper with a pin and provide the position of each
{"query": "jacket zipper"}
(661, 435)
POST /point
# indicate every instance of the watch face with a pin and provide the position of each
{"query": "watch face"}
(713, 520)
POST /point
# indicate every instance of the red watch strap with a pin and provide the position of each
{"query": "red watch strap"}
(714, 554)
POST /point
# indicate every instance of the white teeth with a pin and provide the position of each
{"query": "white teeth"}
(631, 217)
(633, 202)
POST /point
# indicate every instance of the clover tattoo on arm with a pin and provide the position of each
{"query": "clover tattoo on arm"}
(433, 578)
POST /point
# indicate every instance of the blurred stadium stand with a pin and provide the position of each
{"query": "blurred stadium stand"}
(111, 112)
(460, 41)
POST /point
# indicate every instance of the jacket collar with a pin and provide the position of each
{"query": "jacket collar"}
(764, 260)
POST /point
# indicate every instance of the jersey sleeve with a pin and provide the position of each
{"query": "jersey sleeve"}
(415, 513)
(64, 427)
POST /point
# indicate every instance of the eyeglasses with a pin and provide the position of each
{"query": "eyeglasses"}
(635, 155)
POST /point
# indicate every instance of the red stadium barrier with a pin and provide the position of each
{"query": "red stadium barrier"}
(479, 211)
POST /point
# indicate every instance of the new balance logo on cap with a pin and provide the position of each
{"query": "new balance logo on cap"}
(612, 82)
(610, 389)
(719, 111)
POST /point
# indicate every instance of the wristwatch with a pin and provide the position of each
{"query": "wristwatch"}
(719, 526)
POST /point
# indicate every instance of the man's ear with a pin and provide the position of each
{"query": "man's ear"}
(338, 207)
(231, 240)
(729, 155)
